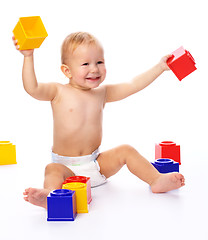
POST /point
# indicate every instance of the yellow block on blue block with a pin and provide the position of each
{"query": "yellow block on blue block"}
(81, 195)
(7, 153)
(29, 32)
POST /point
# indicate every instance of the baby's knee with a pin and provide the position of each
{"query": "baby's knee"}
(51, 167)
(58, 169)
(126, 149)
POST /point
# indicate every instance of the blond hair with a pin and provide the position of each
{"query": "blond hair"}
(72, 41)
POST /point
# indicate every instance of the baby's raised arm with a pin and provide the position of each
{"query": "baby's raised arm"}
(120, 91)
(40, 91)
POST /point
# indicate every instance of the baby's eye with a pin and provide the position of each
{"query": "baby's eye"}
(100, 62)
(85, 64)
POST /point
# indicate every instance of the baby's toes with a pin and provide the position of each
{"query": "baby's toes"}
(180, 178)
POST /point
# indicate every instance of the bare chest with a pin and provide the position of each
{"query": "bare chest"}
(79, 108)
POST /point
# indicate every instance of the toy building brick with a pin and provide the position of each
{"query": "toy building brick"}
(164, 165)
(81, 195)
(61, 205)
(181, 63)
(168, 149)
(81, 179)
(7, 153)
(29, 32)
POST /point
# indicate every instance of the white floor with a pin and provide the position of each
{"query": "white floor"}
(135, 35)
(124, 208)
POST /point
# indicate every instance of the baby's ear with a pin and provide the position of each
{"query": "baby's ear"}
(66, 71)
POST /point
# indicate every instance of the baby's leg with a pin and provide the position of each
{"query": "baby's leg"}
(113, 160)
(55, 174)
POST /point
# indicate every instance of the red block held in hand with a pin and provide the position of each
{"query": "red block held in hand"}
(181, 63)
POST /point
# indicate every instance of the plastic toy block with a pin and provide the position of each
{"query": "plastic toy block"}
(7, 153)
(165, 165)
(81, 179)
(61, 205)
(181, 63)
(168, 149)
(81, 195)
(29, 32)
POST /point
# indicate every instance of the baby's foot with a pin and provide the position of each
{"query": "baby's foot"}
(167, 182)
(36, 196)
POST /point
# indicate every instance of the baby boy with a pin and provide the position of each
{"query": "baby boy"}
(78, 111)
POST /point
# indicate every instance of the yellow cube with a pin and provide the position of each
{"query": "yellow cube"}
(29, 32)
(81, 195)
(7, 153)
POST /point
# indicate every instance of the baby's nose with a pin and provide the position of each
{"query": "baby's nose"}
(94, 69)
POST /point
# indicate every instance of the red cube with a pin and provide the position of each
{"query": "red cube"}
(181, 63)
(168, 149)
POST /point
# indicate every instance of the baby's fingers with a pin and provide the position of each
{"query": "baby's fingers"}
(14, 40)
(15, 43)
(167, 57)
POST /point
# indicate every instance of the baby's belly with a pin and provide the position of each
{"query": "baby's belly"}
(77, 142)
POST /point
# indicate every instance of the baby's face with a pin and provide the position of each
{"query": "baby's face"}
(87, 67)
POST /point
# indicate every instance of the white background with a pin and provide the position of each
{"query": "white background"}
(135, 35)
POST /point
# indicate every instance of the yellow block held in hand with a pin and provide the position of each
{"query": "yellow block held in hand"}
(7, 153)
(81, 195)
(29, 32)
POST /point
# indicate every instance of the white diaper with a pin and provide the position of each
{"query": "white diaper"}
(83, 166)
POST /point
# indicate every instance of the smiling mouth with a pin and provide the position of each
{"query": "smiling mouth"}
(93, 79)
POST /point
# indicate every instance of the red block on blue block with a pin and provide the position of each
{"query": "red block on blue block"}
(168, 149)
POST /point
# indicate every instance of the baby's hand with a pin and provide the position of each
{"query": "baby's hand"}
(26, 53)
(163, 62)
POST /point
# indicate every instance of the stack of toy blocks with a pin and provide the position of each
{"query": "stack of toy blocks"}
(29, 32)
(167, 157)
(64, 205)
(181, 63)
(81, 179)
(61, 205)
(7, 153)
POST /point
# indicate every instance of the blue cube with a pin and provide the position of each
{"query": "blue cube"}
(61, 205)
(165, 165)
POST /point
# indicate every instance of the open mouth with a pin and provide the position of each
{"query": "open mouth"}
(93, 79)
